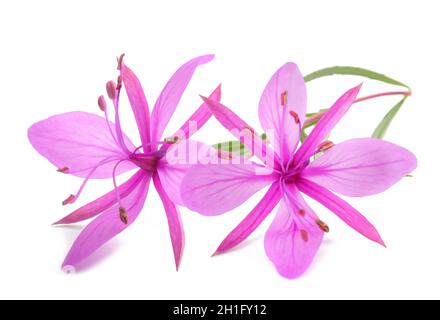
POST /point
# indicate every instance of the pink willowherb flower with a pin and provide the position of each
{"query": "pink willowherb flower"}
(357, 167)
(92, 147)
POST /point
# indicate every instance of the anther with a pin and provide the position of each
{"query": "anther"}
(325, 146)
(172, 140)
(123, 215)
(284, 98)
(323, 226)
(302, 212)
(63, 169)
(111, 89)
(304, 235)
(294, 115)
(120, 60)
(101, 103)
(69, 199)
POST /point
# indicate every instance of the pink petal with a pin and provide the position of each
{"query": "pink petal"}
(107, 225)
(138, 103)
(342, 209)
(252, 220)
(240, 129)
(79, 141)
(198, 118)
(171, 174)
(361, 167)
(171, 94)
(179, 158)
(103, 203)
(171, 177)
(325, 125)
(214, 189)
(174, 222)
(291, 242)
(274, 113)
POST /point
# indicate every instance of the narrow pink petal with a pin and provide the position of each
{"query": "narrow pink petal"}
(179, 158)
(103, 203)
(325, 125)
(171, 94)
(107, 225)
(240, 130)
(214, 189)
(174, 222)
(341, 208)
(361, 167)
(77, 142)
(252, 220)
(197, 119)
(285, 92)
(171, 177)
(292, 240)
(138, 103)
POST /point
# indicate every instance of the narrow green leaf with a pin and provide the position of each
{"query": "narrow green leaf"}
(381, 129)
(234, 147)
(354, 71)
(303, 136)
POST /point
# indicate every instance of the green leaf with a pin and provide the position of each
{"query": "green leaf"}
(354, 71)
(234, 147)
(303, 136)
(381, 129)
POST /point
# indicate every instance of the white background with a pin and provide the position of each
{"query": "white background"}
(56, 56)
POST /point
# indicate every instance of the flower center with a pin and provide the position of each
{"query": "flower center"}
(147, 162)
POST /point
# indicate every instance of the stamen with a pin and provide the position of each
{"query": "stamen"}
(123, 215)
(302, 212)
(284, 98)
(120, 60)
(69, 199)
(111, 89)
(119, 85)
(172, 140)
(72, 198)
(294, 115)
(151, 143)
(324, 146)
(118, 195)
(119, 137)
(63, 169)
(323, 226)
(304, 235)
(110, 128)
(101, 103)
